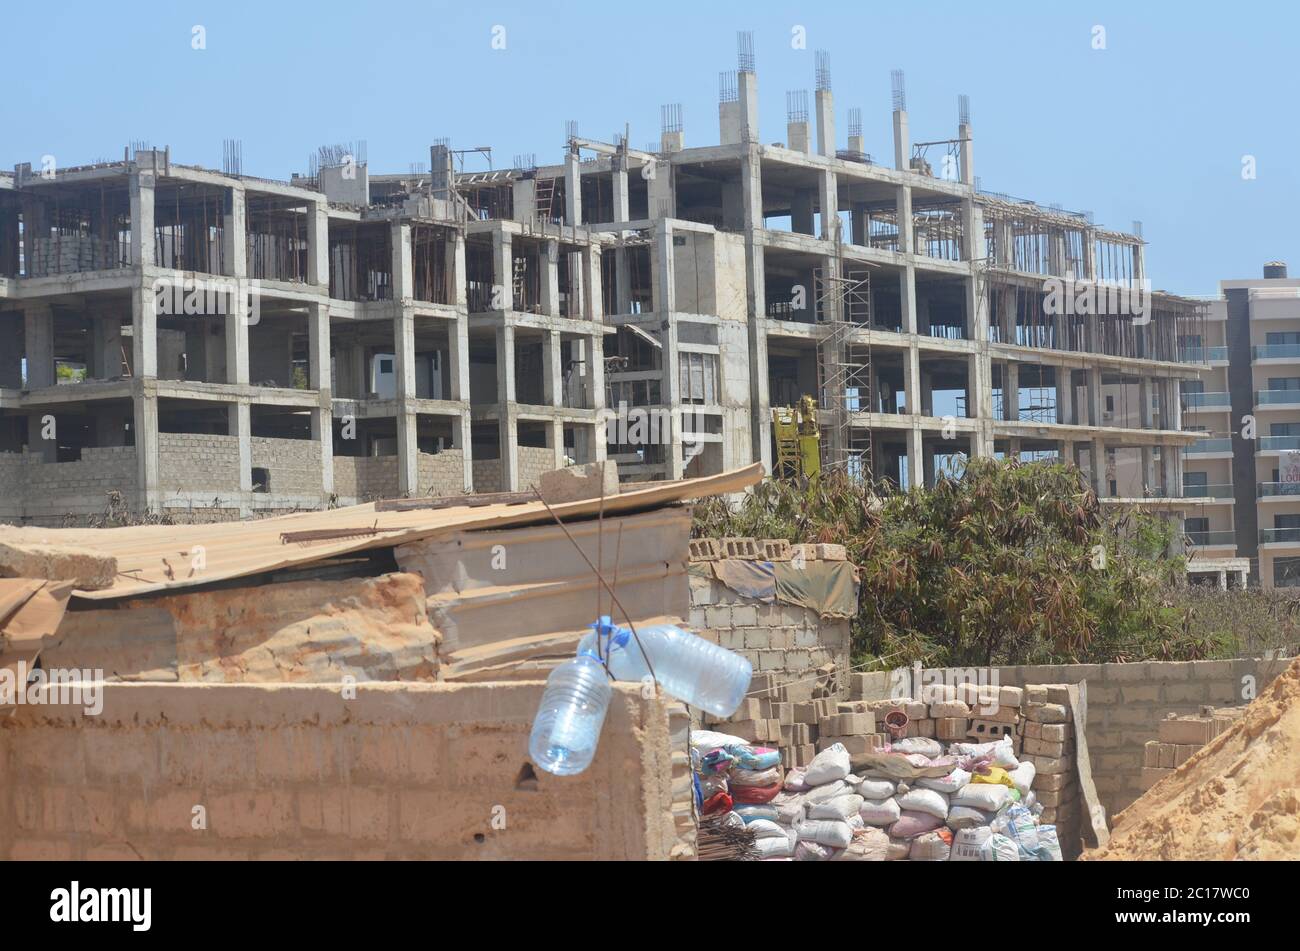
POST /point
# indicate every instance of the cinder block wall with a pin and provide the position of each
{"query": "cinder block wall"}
(442, 473)
(44, 492)
(293, 465)
(778, 638)
(1126, 703)
(295, 772)
(533, 461)
(195, 462)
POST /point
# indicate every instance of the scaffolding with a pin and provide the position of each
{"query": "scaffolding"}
(843, 300)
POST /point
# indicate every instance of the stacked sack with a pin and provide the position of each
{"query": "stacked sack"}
(738, 778)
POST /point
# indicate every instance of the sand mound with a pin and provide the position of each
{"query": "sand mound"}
(1238, 798)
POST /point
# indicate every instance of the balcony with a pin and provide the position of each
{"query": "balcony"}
(1194, 401)
(1277, 397)
(1278, 443)
(1277, 351)
(1203, 354)
(1219, 491)
(1215, 539)
(1285, 536)
(1207, 446)
(1274, 489)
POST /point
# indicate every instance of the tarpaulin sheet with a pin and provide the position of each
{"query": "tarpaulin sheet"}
(828, 587)
(753, 579)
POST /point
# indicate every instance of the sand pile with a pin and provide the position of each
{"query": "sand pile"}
(1237, 798)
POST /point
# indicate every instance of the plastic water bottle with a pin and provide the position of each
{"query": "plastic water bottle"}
(688, 667)
(567, 726)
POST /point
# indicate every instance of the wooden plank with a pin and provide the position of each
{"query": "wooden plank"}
(1083, 763)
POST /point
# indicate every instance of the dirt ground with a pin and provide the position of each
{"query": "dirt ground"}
(1238, 798)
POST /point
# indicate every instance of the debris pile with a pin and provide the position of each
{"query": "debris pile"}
(1236, 798)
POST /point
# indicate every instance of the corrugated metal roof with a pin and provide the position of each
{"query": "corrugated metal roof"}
(165, 557)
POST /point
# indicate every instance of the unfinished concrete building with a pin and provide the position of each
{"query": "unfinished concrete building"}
(447, 331)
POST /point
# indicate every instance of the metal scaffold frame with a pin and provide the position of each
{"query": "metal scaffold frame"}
(843, 302)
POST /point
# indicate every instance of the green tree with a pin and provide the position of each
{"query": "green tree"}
(1009, 563)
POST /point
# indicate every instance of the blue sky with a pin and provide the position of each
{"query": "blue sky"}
(1153, 128)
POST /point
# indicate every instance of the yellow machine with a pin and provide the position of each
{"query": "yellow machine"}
(798, 440)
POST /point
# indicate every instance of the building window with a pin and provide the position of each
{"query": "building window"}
(1286, 572)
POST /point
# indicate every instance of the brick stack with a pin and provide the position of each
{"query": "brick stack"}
(1179, 737)
(788, 715)
(1047, 740)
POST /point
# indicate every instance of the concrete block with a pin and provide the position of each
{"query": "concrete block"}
(1152, 775)
(951, 728)
(1186, 730)
(831, 552)
(775, 549)
(1047, 712)
(949, 709)
(704, 549)
(745, 548)
(986, 731)
(1183, 752)
(1011, 696)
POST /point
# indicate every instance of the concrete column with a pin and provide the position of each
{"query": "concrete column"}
(1011, 391)
(572, 189)
(825, 110)
(320, 379)
(1144, 402)
(912, 380)
(1093, 376)
(552, 370)
(907, 300)
(403, 262)
(550, 281)
(915, 458)
(234, 234)
(408, 477)
(456, 270)
(237, 371)
(108, 348)
(503, 268)
(240, 424)
(507, 412)
(1065, 395)
(829, 202)
(557, 442)
(903, 211)
(1171, 462)
(1148, 470)
(747, 86)
(662, 266)
(751, 193)
(966, 154)
(623, 281)
(38, 334)
(593, 305)
(902, 141)
(621, 201)
(318, 243)
(144, 334)
(144, 407)
(142, 219)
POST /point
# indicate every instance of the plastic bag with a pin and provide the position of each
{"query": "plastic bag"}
(755, 794)
(790, 808)
(765, 829)
(705, 740)
(933, 846)
(809, 851)
(827, 766)
(877, 788)
(929, 801)
(749, 777)
(774, 847)
(751, 812)
(880, 812)
(754, 757)
(998, 848)
(931, 749)
(1023, 778)
(968, 817)
(1017, 824)
(968, 844)
(1049, 846)
(718, 802)
(827, 792)
(993, 775)
(946, 784)
(841, 807)
(912, 824)
(835, 833)
(986, 796)
(1000, 752)
(867, 845)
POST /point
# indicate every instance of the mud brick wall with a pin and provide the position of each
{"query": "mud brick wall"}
(284, 771)
(1125, 705)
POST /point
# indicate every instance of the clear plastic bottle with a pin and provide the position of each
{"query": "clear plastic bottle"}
(567, 726)
(688, 667)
